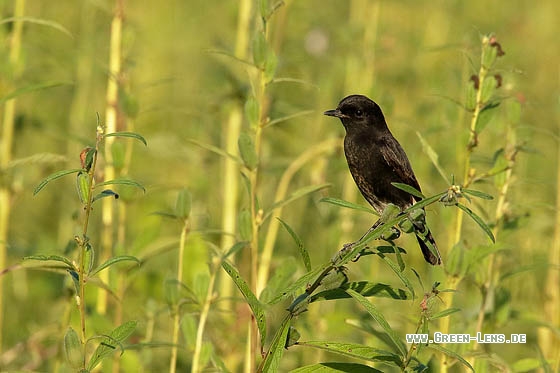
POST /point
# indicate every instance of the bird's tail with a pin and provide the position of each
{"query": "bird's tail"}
(426, 240)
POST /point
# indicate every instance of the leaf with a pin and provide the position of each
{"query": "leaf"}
(397, 270)
(83, 187)
(55, 258)
(356, 351)
(183, 204)
(104, 194)
(260, 48)
(378, 316)
(254, 304)
(298, 284)
(73, 348)
(127, 182)
(350, 205)
(33, 88)
(451, 354)
(132, 135)
(431, 153)
(425, 202)
(288, 117)
(336, 368)
(295, 195)
(114, 260)
(235, 248)
(299, 243)
(485, 115)
(444, 313)
(247, 150)
(478, 194)
(245, 225)
(51, 177)
(478, 220)
(409, 189)
(216, 150)
(37, 159)
(38, 21)
(252, 111)
(365, 288)
(271, 361)
(526, 365)
(106, 347)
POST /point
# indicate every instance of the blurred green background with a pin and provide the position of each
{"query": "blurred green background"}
(414, 58)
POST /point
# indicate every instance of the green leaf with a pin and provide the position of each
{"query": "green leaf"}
(89, 258)
(104, 194)
(264, 8)
(51, 177)
(38, 21)
(444, 313)
(118, 153)
(252, 111)
(350, 205)
(378, 316)
(336, 368)
(485, 115)
(425, 202)
(55, 258)
(470, 102)
(526, 365)
(295, 195)
(478, 194)
(73, 348)
(127, 182)
(478, 221)
(409, 189)
(365, 288)
(247, 150)
(451, 354)
(114, 260)
(183, 204)
(270, 66)
(108, 344)
(299, 243)
(216, 150)
(298, 284)
(274, 354)
(356, 351)
(397, 270)
(132, 135)
(83, 187)
(260, 48)
(245, 225)
(235, 248)
(33, 88)
(254, 304)
(288, 117)
(431, 153)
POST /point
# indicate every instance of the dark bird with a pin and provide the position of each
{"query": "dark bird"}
(376, 159)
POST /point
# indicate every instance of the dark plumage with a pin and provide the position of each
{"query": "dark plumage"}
(376, 160)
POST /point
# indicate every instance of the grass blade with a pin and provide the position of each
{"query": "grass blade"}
(478, 221)
(299, 243)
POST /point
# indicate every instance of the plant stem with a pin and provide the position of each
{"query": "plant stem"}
(6, 151)
(176, 313)
(111, 114)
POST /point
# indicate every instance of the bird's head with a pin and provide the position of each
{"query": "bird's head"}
(358, 112)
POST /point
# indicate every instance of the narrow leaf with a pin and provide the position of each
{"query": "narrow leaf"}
(114, 260)
(434, 157)
(478, 220)
(235, 248)
(365, 288)
(288, 117)
(33, 88)
(38, 21)
(299, 243)
(451, 354)
(478, 194)
(271, 361)
(55, 258)
(378, 316)
(247, 150)
(183, 204)
(297, 285)
(397, 270)
(409, 189)
(127, 182)
(295, 195)
(254, 304)
(333, 367)
(444, 313)
(356, 351)
(132, 135)
(350, 205)
(51, 177)
(104, 194)
(216, 150)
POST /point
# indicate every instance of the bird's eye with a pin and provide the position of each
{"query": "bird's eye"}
(359, 113)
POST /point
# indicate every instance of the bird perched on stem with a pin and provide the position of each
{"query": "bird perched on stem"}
(376, 160)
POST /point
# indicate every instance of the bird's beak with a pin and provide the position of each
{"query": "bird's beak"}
(334, 113)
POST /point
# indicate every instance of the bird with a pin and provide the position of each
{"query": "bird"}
(376, 160)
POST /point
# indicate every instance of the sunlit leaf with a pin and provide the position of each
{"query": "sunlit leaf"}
(73, 348)
(478, 221)
(477, 194)
(365, 288)
(409, 189)
(333, 367)
(271, 361)
(55, 258)
(296, 195)
(350, 205)
(356, 351)
(451, 354)
(126, 182)
(109, 343)
(444, 313)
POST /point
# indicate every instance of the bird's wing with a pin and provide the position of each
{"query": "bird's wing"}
(396, 158)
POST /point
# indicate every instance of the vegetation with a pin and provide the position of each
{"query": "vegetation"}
(172, 199)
